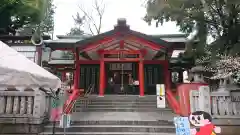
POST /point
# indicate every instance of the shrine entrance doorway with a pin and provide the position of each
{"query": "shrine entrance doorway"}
(122, 78)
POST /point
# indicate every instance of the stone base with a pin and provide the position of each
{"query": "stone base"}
(20, 129)
(230, 130)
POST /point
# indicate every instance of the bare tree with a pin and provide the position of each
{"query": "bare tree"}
(93, 18)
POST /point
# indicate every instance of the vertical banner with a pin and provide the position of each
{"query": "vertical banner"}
(161, 100)
(56, 109)
(182, 125)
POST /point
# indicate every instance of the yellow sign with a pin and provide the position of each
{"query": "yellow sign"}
(161, 91)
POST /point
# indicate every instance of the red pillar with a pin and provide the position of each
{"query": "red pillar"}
(173, 103)
(64, 76)
(77, 70)
(167, 76)
(102, 78)
(141, 77)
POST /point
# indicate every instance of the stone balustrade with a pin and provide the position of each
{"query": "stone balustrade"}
(220, 106)
(23, 107)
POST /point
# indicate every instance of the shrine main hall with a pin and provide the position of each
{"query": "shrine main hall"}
(119, 61)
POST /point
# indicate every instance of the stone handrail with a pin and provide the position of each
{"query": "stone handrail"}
(220, 106)
(23, 107)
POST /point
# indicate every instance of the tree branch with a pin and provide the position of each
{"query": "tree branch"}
(89, 17)
(90, 28)
(91, 21)
(216, 26)
(100, 12)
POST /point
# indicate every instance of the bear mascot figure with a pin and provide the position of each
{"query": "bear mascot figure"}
(203, 121)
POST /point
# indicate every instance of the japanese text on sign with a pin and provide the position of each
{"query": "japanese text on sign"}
(182, 125)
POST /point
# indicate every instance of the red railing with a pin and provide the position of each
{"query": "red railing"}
(74, 95)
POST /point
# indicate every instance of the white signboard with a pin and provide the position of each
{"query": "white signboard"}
(182, 125)
(161, 100)
(65, 121)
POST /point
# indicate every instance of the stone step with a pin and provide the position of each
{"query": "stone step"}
(120, 97)
(115, 102)
(154, 104)
(123, 116)
(114, 128)
(116, 106)
(149, 123)
(105, 133)
(131, 109)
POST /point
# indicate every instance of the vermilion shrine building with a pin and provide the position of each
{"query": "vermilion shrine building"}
(119, 61)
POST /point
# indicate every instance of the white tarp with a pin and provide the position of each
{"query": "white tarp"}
(18, 71)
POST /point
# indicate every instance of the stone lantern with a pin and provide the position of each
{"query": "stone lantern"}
(226, 82)
(197, 74)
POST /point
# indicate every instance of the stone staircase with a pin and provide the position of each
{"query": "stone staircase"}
(117, 115)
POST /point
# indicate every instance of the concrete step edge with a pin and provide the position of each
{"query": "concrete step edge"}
(162, 109)
(108, 133)
(138, 103)
(120, 96)
(117, 105)
(115, 126)
(116, 102)
(137, 121)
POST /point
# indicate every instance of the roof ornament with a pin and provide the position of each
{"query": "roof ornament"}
(121, 24)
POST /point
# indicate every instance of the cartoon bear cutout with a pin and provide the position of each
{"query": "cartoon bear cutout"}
(203, 120)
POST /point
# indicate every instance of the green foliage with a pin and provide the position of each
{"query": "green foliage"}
(15, 14)
(48, 22)
(219, 19)
(75, 32)
(79, 21)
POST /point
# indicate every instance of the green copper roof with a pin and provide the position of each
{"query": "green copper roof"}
(61, 62)
(122, 29)
(85, 42)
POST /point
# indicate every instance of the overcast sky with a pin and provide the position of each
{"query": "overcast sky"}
(132, 10)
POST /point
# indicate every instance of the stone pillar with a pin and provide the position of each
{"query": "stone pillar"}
(204, 99)
(15, 105)
(9, 105)
(30, 105)
(222, 84)
(2, 104)
(23, 105)
(39, 104)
